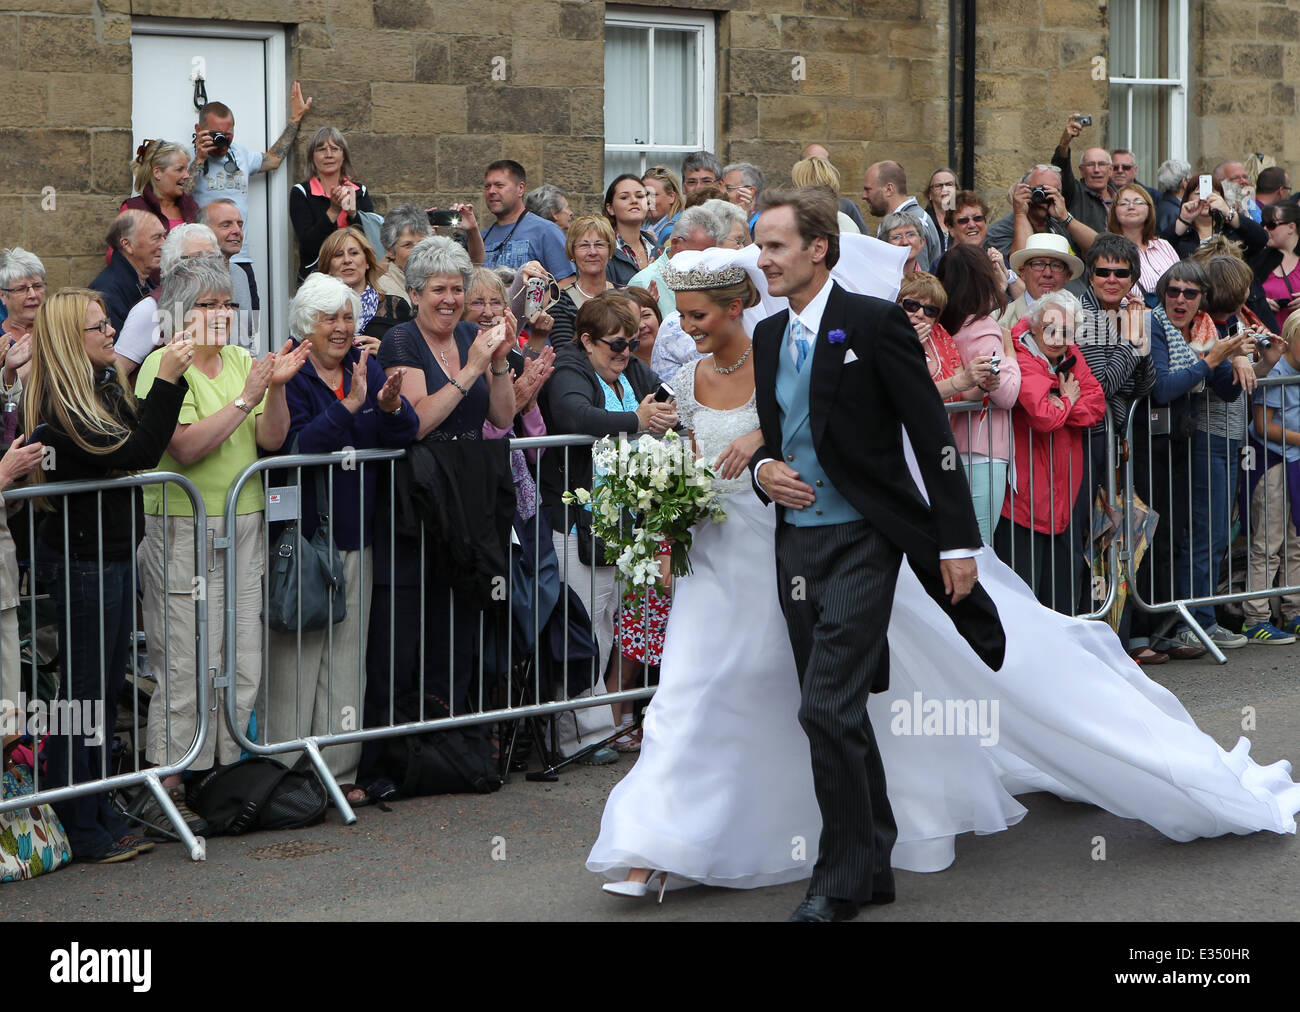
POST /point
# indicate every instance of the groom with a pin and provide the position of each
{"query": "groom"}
(838, 378)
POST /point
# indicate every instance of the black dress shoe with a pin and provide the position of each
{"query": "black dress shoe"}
(824, 908)
(879, 899)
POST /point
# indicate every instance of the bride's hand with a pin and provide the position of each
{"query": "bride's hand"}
(734, 460)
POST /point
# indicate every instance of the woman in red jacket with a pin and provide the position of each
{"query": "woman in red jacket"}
(1059, 401)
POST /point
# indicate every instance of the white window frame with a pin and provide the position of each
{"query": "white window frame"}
(703, 25)
(1179, 48)
(278, 229)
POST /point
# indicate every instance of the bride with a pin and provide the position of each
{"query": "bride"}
(722, 791)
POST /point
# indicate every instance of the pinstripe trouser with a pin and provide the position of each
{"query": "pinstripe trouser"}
(837, 587)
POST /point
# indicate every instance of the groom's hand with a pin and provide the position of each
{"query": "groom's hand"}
(959, 576)
(783, 486)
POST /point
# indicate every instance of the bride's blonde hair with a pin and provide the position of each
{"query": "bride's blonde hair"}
(743, 290)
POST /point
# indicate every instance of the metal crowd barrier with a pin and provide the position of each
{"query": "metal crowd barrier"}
(514, 691)
(1182, 544)
(65, 708)
(975, 420)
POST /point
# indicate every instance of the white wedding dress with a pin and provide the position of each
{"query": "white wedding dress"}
(722, 791)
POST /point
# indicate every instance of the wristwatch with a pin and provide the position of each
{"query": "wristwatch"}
(1069, 217)
(502, 372)
(243, 405)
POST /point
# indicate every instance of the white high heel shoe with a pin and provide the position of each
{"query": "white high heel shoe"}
(634, 890)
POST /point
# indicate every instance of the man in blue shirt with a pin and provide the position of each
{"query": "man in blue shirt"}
(517, 236)
(221, 169)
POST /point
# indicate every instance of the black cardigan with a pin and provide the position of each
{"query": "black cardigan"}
(574, 403)
(152, 424)
(313, 225)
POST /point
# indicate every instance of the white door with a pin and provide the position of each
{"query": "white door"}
(244, 68)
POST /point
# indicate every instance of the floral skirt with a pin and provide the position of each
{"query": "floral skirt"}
(642, 619)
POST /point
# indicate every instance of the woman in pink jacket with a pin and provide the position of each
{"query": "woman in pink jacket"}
(1059, 401)
(974, 293)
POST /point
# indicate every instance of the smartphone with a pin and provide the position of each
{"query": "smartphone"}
(443, 219)
(665, 393)
(1235, 329)
(39, 434)
(1207, 187)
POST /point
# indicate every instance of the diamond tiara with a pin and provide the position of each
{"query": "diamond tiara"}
(699, 278)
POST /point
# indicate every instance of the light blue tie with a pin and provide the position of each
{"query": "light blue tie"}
(800, 344)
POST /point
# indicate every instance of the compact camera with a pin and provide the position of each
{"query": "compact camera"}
(1038, 195)
(219, 139)
(1083, 120)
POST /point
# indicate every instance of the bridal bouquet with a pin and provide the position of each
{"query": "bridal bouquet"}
(647, 490)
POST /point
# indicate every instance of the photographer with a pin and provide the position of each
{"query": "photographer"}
(1088, 197)
(221, 168)
(1200, 220)
(1038, 206)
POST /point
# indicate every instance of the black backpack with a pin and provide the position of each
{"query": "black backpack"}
(457, 760)
(259, 793)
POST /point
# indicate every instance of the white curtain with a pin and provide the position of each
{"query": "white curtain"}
(658, 112)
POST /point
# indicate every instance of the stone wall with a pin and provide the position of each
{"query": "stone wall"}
(1033, 68)
(1245, 78)
(65, 131)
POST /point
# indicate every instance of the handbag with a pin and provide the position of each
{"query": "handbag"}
(589, 546)
(32, 840)
(306, 592)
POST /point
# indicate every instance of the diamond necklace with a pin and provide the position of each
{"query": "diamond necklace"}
(736, 365)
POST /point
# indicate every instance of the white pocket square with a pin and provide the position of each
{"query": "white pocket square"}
(850, 356)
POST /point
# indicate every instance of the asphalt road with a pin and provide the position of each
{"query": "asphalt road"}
(518, 855)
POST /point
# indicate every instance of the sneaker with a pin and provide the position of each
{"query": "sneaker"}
(136, 844)
(110, 855)
(1267, 633)
(159, 825)
(1292, 626)
(1226, 639)
(1182, 646)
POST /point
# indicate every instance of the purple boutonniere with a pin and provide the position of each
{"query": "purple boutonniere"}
(836, 337)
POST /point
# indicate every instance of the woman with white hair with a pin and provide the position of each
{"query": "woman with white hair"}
(234, 406)
(904, 229)
(339, 399)
(142, 331)
(456, 378)
(22, 290)
(403, 227)
(1059, 401)
(737, 226)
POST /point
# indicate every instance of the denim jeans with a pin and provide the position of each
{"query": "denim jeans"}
(88, 617)
(1213, 479)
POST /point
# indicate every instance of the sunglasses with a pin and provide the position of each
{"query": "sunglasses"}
(620, 345)
(1123, 168)
(1270, 225)
(1123, 273)
(913, 306)
(1173, 292)
(978, 219)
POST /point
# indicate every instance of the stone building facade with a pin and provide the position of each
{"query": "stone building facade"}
(428, 92)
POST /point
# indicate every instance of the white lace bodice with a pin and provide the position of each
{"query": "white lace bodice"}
(714, 429)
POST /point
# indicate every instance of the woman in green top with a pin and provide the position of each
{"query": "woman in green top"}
(234, 406)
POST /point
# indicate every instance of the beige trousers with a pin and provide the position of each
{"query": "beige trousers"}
(169, 592)
(317, 686)
(1274, 545)
(580, 728)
